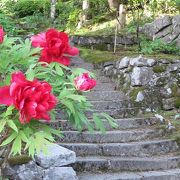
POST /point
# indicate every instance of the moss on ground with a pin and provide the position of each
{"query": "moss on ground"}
(97, 56)
(159, 69)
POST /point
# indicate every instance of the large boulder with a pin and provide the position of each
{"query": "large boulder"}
(57, 156)
(153, 28)
(166, 28)
(141, 76)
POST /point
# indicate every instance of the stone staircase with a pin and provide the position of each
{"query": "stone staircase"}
(136, 150)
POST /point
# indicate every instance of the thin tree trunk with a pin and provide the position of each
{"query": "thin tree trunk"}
(122, 16)
(53, 9)
(85, 7)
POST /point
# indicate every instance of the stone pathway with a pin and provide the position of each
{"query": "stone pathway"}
(136, 150)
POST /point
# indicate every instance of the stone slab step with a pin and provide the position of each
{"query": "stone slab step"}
(110, 105)
(126, 123)
(103, 79)
(105, 95)
(133, 149)
(114, 164)
(118, 136)
(115, 113)
(172, 174)
(104, 87)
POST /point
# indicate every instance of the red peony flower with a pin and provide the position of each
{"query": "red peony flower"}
(56, 47)
(84, 82)
(1, 34)
(33, 99)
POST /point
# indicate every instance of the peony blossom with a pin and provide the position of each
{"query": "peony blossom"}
(1, 34)
(84, 82)
(33, 99)
(55, 47)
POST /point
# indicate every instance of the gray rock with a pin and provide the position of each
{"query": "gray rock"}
(31, 171)
(24, 172)
(168, 104)
(124, 62)
(140, 97)
(177, 40)
(109, 63)
(141, 61)
(176, 24)
(174, 67)
(141, 76)
(60, 173)
(161, 23)
(151, 29)
(58, 156)
(164, 32)
(166, 92)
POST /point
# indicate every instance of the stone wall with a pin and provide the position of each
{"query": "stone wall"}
(103, 42)
(166, 28)
(151, 84)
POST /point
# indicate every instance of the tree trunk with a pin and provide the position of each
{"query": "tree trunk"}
(113, 4)
(53, 9)
(85, 8)
(84, 15)
(122, 16)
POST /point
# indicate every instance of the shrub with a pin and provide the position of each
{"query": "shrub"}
(150, 47)
(24, 8)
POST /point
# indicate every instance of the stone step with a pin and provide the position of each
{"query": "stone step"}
(123, 124)
(104, 87)
(105, 95)
(115, 113)
(133, 149)
(110, 105)
(116, 136)
(104, 79)
(114, 164)
(172, 174)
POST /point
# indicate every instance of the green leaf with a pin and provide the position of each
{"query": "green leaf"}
(110, 120)
(23, 136)
(9, 111)
(9, 139)
(59, 70)
(99, 124)
(12, 125)
(17, 145)
(76, 97)
(30, 74)
(2, 124)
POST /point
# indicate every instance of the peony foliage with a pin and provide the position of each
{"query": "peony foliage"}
(36, 90)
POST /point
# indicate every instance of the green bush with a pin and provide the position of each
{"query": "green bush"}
(24, 8)
(151, 47)
(9, 24)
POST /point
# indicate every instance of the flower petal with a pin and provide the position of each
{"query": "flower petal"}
(62, 60)
(39, 40)
(5, 97)
(73, 51)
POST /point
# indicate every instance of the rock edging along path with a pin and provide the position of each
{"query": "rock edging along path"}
(135, 150)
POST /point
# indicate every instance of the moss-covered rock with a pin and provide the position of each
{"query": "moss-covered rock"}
(134, 92)
(159, 69)
(18, 160)
(177, 102)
